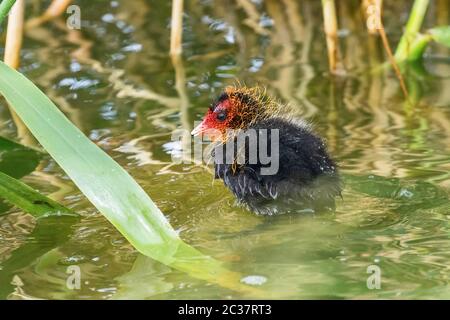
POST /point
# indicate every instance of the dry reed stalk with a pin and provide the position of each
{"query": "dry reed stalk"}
(372, 15)
(176, 34)
(176, 31)
(14, 36)
(374, 22)
(394, 63)
(330, 25)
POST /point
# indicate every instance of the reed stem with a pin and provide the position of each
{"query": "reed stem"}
(412, 28)
(14, 35)
(393, 62)
(13, 45)
(330, 25)
(387, 47)
(176, 31)
(372, 14)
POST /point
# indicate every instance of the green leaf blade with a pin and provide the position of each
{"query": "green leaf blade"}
(104, 182)
(441, 35)
(29, 199)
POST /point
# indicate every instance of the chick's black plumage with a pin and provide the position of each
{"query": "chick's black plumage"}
(306, 180)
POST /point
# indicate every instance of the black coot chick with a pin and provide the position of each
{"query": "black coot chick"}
(271, 161)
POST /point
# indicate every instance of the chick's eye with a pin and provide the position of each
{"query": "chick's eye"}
(221, 116)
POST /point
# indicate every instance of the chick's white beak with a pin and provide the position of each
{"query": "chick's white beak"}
(198, 129)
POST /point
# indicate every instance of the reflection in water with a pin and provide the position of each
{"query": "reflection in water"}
(116, 81)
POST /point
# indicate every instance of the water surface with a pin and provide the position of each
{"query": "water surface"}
(115, 81)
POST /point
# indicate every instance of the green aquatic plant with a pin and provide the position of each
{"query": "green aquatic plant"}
(5, 7)
(104, 182)
(29, 199)
(17, 160)
(413, 43)
(440, 35)
(412, 28)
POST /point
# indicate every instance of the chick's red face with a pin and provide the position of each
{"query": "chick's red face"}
(218, 116)
(216, 121)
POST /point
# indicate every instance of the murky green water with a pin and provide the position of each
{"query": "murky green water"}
(115, 81)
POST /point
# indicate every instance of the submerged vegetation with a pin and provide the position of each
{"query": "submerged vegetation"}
(108, 185)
